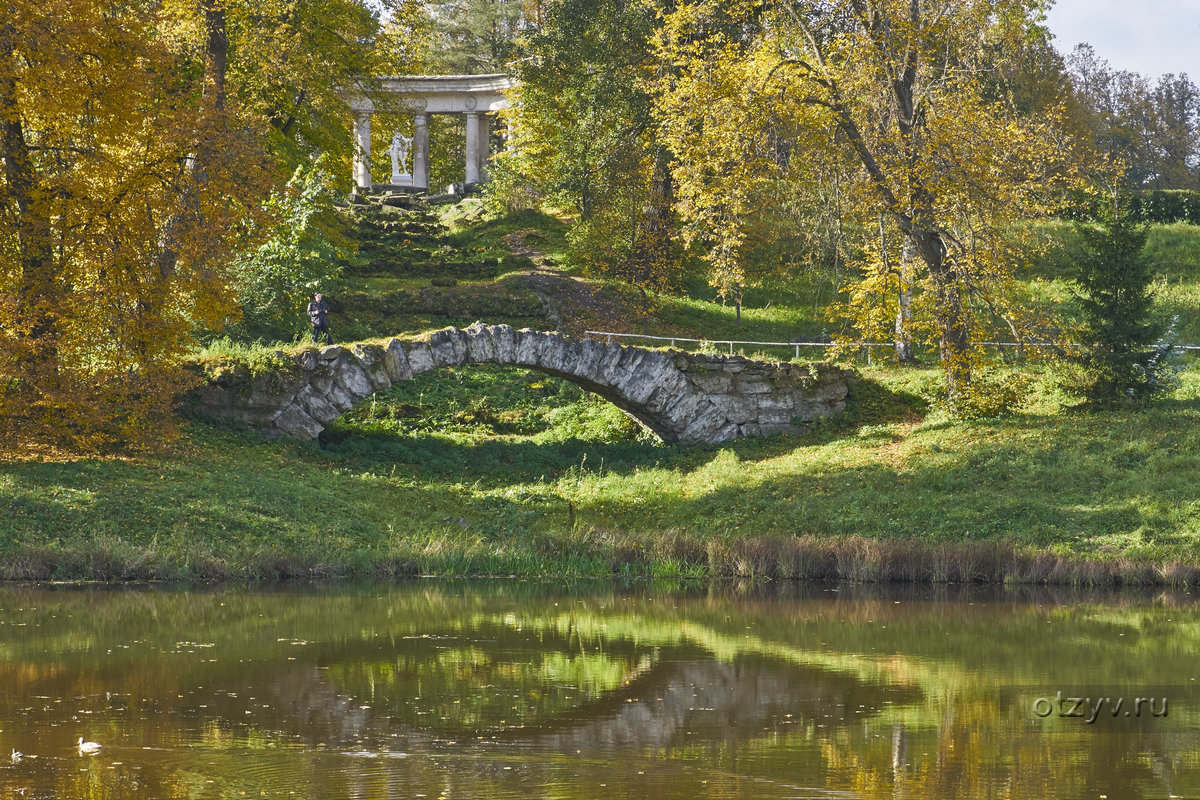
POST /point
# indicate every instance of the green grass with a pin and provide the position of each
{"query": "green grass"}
(485, 236)
(566, 491)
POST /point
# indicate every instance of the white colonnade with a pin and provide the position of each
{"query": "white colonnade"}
(475, 96)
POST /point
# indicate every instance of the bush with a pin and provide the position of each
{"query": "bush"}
(994, 394)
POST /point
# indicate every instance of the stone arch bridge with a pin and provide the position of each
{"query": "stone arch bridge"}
(683, 397)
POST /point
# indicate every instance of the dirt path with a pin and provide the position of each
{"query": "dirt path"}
(574, 304)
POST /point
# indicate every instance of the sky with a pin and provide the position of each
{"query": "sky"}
(1152, 37)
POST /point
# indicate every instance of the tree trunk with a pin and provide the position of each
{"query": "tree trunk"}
(905, 272)
(954, 343)
(37, 296)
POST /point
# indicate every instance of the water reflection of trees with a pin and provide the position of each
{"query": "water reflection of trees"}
(895, 695)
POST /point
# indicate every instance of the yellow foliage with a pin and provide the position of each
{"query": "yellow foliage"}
(908, 98)
(123, 180)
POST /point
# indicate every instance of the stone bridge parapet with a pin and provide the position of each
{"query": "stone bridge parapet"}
(683, 397)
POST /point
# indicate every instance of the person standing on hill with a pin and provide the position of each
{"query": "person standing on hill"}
(318, 311)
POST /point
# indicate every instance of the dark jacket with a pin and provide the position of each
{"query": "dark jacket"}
(317, 312)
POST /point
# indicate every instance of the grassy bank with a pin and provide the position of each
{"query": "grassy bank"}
(499, 471)
(545, 482)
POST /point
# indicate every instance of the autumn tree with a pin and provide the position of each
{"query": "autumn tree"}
(121, 182)
(583, 134)
(905, 94)
(1152, 126)
(138, 141)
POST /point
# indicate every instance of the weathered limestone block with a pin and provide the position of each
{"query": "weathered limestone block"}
(420, 358)
(395, 361)
(682, 407)
(628, 361)
(587, 359)
(704, 425)
(728, 433)
(504, 343)
(775, 413)
(306, 360)
(340, 397)
(731, 364)
(317, 405)
(549, 354)
(353, 378)
(710, 381)
(330, 353)
(297, 424)
(752, 385)
(528, 344)
(607, 366)
(212, 399)
(371, 360)
(481, 349)
(263, 395)
(653, 369)
(672, 390)
(448, 347)
(738, 408)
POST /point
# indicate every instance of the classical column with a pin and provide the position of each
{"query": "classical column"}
(362, 151)
(421, 151)
(485, 145)
(472, 147)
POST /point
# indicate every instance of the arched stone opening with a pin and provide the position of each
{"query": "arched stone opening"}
(484, 404)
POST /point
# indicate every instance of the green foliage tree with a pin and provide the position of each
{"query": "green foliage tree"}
(583, 134)
(302, 254)
(1124, 357)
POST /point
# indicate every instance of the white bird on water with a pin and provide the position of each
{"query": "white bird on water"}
(88, 748)
(17, 756)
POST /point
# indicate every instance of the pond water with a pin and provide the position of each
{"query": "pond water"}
(509, 689)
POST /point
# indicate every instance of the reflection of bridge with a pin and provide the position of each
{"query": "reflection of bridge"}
(682, 397)
(711, 700)
(686, 697)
